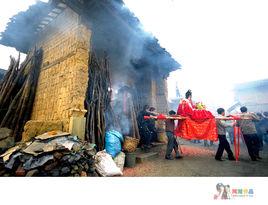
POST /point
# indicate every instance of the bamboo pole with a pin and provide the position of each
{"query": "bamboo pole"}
(178, 117)
(97, 100)
(18, 92)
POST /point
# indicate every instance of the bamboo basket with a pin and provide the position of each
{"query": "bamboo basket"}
(130, 144)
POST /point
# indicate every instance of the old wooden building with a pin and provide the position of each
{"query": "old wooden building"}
(253, 95)
(68, 31)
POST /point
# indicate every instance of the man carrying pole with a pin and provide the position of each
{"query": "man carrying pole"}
(172, 142)
(223, 143)
(250, 133)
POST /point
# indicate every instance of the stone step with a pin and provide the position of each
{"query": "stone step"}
(157, 147)
(142, 157)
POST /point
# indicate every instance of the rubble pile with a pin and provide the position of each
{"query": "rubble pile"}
(55, 153)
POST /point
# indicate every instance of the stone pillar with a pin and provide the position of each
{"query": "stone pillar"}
(153, 98)
(161, 96)
(159, 101)
(77, 125)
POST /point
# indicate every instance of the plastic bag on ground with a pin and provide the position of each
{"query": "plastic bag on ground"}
(105, 165)
(120, 160)
(113, 140)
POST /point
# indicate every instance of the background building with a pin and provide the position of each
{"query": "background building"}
(253, 94)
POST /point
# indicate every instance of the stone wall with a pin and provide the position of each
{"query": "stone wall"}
(64, 74)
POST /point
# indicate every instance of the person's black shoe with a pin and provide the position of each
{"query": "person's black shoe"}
(258, 157)
(179, 157)
(254, 159)
(219, 159)
(231, 158)
(169, 157)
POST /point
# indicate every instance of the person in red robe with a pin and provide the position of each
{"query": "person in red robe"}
(199, 124)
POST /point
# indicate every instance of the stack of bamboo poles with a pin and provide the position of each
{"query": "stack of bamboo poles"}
(17, 92)
(125, 112)
(134, 124)
(98, 100)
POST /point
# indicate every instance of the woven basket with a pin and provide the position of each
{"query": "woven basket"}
(130, 144)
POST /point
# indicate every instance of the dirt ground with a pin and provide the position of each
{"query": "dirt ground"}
(199, 161)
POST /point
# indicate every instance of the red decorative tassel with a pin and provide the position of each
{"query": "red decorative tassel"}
(237, 134)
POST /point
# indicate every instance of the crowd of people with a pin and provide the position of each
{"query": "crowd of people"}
(254, 129)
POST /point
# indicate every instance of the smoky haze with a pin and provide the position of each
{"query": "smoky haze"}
(218, 43)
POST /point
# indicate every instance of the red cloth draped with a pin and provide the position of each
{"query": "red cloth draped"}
(200, 124)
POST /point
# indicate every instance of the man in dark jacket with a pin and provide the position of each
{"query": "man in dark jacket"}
(151, 124)
(144, 131)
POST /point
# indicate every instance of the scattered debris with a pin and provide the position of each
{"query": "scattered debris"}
(60, 155)
(32, 173)
(20, 172)
(9, 152)
(52, 134)
(34, 163)
(11, 162)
